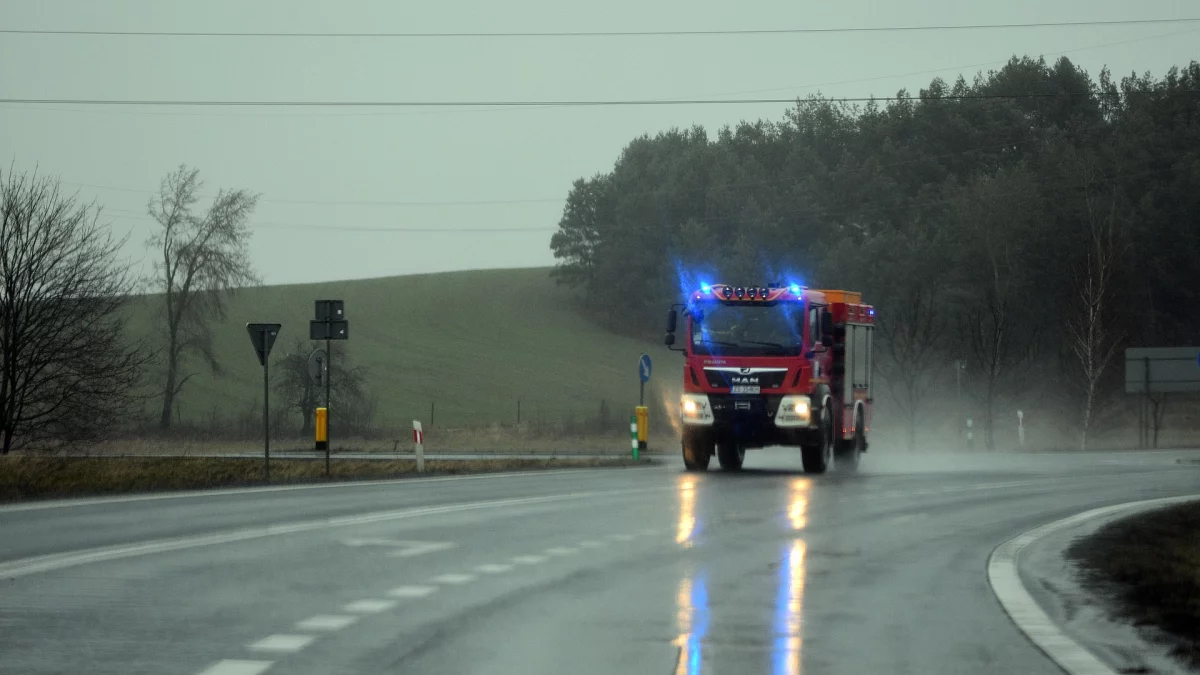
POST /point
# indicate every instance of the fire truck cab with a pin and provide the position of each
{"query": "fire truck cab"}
(774, 365)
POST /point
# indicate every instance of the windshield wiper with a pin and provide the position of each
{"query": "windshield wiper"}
(766, 344)
(721, 343)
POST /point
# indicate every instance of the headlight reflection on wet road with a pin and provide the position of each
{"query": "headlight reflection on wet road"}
(687, 512)
(789, 606)
(692, 617)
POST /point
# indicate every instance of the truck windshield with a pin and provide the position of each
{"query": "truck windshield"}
(749, 330)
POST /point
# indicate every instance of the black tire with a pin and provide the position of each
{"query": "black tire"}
(819, 458)
(697, 449)
(731, 455)
(852, 454)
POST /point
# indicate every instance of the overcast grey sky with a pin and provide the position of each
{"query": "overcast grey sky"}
(118, 155)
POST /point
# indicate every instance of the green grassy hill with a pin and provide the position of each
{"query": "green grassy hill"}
(473, 342)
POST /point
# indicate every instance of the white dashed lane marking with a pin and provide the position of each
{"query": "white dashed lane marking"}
(327, 622)
(590, 544)
(648, 532)
(411, 591)
(454, 579)
(623, 537)
(369, 606)
(494, 569)
(284, 642)
(237, 667)
(559, 550)
(529, 559)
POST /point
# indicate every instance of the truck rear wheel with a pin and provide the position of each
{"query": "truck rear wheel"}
(818, 458)
(697, 449)
(849, 458)
(731, 454)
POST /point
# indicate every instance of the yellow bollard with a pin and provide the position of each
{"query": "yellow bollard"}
(322, 428)
(643, 423)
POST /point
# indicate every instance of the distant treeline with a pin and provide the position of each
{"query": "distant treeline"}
(1030, 224)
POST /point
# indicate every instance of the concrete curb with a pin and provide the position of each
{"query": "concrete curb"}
(1005, 580)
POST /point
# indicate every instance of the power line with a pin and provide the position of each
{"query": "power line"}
(498, 109)
(257, 225)
(320, 202)
(557, 104)
(597, 34)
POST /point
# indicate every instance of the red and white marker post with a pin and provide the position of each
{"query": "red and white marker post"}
(419, 445)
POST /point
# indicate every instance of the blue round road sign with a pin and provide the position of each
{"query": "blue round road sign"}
(644, 368)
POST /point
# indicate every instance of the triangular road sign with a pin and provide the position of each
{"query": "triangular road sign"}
(262, 336)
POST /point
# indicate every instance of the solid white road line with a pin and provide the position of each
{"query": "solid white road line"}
(454, 579)
(411, 591)
(369, 606)
(58, 561)
(561, 550)
(283, 642)
(493, 568)
(224, 492)
(529, 559)
(1005, 578)
(326, 622)
(237, 667)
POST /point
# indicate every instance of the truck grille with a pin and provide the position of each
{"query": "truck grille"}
(765, 378)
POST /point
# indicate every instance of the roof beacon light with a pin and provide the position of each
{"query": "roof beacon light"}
(705, 288)
(795, 289)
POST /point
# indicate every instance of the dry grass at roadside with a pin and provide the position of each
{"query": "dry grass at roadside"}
(484, 440)
(41, 477)
(1150, 563)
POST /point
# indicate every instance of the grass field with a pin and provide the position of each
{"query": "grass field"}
(471, 343)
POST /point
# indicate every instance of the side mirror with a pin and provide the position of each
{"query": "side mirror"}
(826, 325)
(827, 341)
(672, 320)
(669, 340)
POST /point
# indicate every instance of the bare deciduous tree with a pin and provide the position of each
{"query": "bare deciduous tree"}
(994, 329)
(1092, 342)
(354, 405)
(200, 260)
(67, 369)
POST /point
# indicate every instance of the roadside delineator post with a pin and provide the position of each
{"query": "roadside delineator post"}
(419, 445)
(322, 429)
(642, 413)
(633, 434)
(970, 435)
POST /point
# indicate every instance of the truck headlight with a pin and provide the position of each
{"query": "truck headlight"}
(695, 409)
(794, 411)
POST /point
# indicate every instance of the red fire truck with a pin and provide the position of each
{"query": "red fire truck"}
(774, 365)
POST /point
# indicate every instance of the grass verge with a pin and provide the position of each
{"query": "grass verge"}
(1150, 564)
(24, 478)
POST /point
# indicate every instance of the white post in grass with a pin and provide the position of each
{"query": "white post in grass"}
(419, 443)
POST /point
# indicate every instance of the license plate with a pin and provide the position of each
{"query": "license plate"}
(744, 389)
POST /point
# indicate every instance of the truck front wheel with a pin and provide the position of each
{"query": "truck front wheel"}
(731, 454)
(697, 449)
(818, 457)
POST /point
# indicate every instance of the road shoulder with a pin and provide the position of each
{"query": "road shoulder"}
(1043, 592)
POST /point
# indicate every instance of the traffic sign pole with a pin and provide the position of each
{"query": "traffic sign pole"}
(262, 337)
(266, 414)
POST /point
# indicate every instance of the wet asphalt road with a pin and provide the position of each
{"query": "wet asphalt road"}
(606, 571)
